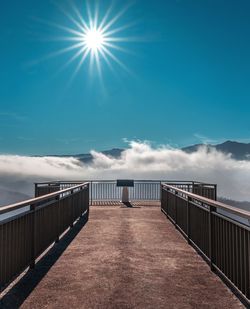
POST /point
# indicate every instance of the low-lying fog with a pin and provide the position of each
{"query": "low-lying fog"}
(139, 161)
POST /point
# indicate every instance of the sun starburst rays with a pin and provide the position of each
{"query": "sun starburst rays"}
(93, 37)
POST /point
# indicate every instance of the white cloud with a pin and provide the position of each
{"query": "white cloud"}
(139, 161)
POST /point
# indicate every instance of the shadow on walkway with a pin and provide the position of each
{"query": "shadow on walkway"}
(15, 297)
(129, 205)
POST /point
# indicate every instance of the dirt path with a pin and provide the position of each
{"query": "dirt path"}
(126, 258)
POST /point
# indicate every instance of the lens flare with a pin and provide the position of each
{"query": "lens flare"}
(91, 37)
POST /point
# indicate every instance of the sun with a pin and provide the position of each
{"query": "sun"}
(94, 40)
(91, 37)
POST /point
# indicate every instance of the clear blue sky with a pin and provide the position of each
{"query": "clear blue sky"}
(191, 78)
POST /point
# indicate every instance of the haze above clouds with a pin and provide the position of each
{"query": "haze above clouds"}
(139, 161)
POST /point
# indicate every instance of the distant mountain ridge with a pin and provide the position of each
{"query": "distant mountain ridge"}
(238, 151)
(87, 157)
(242, 204)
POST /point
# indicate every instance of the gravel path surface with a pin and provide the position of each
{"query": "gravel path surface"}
(122, 258)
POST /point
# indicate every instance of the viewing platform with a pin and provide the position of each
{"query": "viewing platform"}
(141, 254)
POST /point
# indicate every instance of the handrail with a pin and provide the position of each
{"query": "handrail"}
(232, 209)
(223, 241)
(112, 180)
(143, 189)
(15, 206)
(27, 235)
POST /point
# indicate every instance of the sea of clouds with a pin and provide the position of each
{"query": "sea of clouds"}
(139, 161)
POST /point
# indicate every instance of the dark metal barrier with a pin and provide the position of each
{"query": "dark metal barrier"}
(223, 242)
(49, 188)
(205, 190)
(107, 190)
(25, 235)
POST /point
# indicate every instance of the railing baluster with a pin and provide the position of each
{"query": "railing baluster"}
(188, 218)
(227, 247)
(25, 236)
(175, 208)
(33, 236)
(58, 219)
(211, 237)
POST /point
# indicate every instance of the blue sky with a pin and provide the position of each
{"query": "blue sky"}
(190, 63)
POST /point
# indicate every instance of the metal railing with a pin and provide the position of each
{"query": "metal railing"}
(28, 228)
(223, 242)
(106, 190)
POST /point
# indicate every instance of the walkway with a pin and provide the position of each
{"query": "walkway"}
(122, 258)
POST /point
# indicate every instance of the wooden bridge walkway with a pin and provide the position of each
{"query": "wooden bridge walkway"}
(122, 258)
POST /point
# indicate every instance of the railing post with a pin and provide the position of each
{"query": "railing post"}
(215, 192)
(87, 199)
(188, 219)
(211, 236)
(58, 219)
(91, 190)
(33, 236)
(82, 200)
(161, 194)
(72, 208)
(175, 204)
(167, 199)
